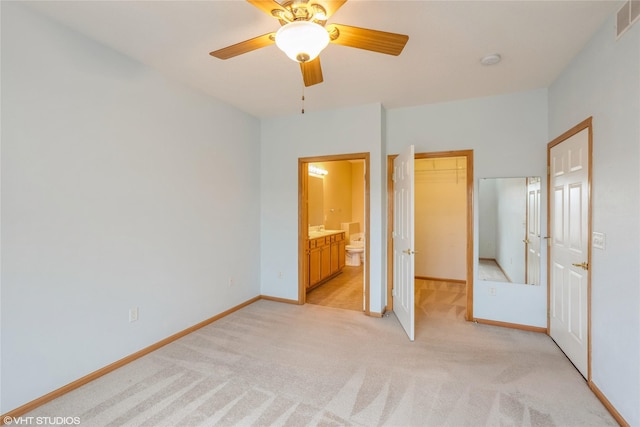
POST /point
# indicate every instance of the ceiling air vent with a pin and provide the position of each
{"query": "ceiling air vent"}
(627, 15)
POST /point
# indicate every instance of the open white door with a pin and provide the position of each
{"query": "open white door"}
(403, 240)
(569, 256)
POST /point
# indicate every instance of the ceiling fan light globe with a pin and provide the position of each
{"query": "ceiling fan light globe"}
(302, 41)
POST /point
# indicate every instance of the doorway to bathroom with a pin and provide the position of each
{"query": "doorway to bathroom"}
(333, 231)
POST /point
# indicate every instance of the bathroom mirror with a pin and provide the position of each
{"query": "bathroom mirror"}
(316, 201)
(509, 232)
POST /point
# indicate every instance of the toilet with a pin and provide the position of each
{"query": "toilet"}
(354, 251)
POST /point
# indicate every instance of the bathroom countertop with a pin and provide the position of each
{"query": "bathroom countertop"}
(323, 233)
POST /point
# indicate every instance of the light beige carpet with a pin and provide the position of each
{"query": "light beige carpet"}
(286, 365)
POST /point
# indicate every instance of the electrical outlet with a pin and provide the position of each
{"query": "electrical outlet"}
(280, 274)
(230, 281)
(492, 291)
(133, 314)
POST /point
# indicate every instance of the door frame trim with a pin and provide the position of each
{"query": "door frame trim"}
(469, 248)
(303, 219)
(585, 124)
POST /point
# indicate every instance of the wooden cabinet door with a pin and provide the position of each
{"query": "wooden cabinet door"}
(314, 267)
(325, 261)
(341, 253)
(334, 257)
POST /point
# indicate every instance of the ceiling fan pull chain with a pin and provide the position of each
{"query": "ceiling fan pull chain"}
(302, 99)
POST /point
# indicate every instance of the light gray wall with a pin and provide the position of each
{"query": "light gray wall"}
(112, 199)
(487, 218)
(284, 141)
(508, 134)
(603, 81)
(511, 227)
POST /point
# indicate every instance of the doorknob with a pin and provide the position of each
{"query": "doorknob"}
(409, 252)
(526, 241)
(583, 265)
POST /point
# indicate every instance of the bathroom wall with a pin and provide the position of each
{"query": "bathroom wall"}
(336, 193)
(315, 200)
(441, 218)
(342, 193)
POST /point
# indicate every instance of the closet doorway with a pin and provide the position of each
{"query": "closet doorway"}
(440, 172)
(333, 200)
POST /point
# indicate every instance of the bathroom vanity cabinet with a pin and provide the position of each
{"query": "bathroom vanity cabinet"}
(326, 257)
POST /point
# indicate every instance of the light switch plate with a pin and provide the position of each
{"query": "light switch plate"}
(598, 240)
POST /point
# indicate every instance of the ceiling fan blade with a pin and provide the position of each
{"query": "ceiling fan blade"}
(266, 5)
(331, 6)
(311, 72)
(244, 47)
(363, 38)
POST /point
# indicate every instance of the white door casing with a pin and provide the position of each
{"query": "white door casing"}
(403, 240)
(532, 239)
(569, 256)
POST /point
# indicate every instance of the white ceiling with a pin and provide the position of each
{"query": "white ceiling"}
(441, 61)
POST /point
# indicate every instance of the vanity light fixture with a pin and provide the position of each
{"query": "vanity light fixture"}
(302, 41)
(317, 172)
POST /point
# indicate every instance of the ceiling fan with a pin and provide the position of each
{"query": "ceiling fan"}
(304, 33)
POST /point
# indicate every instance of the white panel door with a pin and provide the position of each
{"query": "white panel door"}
(532, 239)
(403, 240)
(569, 247)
